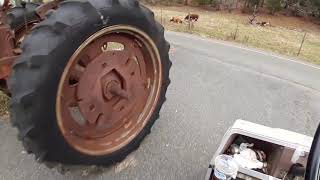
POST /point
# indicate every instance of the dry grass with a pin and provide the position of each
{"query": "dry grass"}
(284, 36)
(4, 104)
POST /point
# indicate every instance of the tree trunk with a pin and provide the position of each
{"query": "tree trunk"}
(246, 3)
(262, 3)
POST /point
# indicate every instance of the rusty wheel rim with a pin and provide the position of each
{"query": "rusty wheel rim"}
(23, 31)
(106, 94)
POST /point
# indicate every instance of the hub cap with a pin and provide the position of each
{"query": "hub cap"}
(108, 90)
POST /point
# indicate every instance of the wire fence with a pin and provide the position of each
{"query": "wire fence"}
(291, 42)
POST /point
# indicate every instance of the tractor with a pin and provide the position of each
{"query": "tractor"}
(87, 78)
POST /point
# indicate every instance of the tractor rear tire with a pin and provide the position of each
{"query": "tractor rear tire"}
(37, 74)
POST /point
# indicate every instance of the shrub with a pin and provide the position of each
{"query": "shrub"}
(273, 5)
(202, 2)
(250, 5)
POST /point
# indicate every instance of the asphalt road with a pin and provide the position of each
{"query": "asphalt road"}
(213, 84)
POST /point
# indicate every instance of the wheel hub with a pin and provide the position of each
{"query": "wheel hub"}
(113, 88)
(108, 89)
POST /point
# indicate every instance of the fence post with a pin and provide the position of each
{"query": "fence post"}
(236, 32)
(161, 15)
(304, 37)
(189, 21)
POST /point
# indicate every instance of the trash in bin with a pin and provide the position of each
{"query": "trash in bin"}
(225, 167)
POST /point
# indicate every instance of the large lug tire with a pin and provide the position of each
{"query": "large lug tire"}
(16, 16)
(37, 74)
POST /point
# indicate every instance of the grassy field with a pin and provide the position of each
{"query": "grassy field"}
(283, 36)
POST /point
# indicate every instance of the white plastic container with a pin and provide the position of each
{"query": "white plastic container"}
(225, 167)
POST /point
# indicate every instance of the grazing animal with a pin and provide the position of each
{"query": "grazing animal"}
(263, 23)
(176, 20)
(192, 17)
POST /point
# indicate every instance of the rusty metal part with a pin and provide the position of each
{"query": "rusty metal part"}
(21, 32)
(44, 8)
(7, 54)
(106, 97)
(6, 5)
(9, 41)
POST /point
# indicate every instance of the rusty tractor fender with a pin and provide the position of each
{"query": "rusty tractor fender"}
(44, 8)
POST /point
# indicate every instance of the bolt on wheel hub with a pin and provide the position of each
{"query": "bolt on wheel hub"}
(108, 90)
